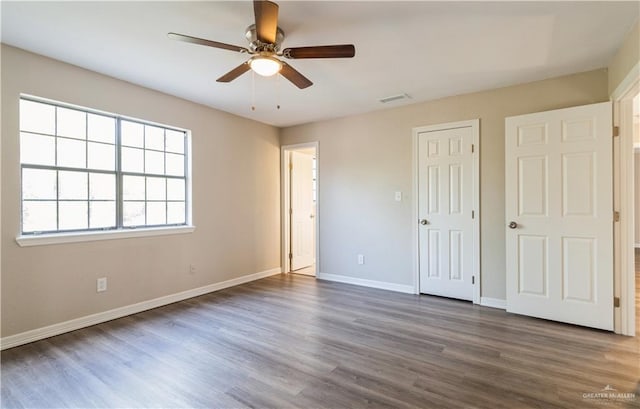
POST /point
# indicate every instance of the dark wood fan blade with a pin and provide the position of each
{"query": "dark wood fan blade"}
(266, 13)
(235, 73)
(294, 76)
(208, 43)
(321, 51)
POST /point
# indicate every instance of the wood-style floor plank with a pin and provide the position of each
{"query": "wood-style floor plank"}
(291, 341)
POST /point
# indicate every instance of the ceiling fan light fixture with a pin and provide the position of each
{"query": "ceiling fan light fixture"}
(265, 65)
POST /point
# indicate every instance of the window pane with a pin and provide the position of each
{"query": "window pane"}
(72, 185)
(37, 149)
(175, 189)
(156, 189)
(102, 186)
(154, 138)
(72, 123)
(102, 156)
(37, 117)
(101, 128)
(72, 153)
(175, 164)
(156, 213)
(38, 216)
(133, 188)
(131, 134)
(102, 214)
(133, 213)
(132, 160)
(59, 199)
(154, 162)
(38, 184)
(72, 215)
(175, 213)
(175, 141)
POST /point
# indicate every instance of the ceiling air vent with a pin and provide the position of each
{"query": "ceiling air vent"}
(392, 98)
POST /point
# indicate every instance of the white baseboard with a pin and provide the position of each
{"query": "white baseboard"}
(86, 321)
(493, 302)
(383, 285)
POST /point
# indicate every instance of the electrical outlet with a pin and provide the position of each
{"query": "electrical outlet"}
(360, 258)
(398, 197)
(192, 269)
(101, 284)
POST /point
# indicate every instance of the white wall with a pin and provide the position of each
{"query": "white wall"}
(637, 196)
(364, 159)
(636, 120)
(236, 204)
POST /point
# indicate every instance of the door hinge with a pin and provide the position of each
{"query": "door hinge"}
(290, 211)
(290, 165)
(616, 216)
(473, 214)
(473, 148)
(616, 302)
(290, 256)
(616, 131)
(473, 279)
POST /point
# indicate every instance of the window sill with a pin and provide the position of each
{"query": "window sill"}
(76, 237)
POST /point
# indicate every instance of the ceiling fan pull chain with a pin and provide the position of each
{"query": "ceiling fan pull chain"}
(253, 91)
(278, 91)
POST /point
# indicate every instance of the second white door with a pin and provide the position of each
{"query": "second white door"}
(559, 212)
(446, 212)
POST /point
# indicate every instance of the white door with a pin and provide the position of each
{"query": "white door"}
(559, 212)
(445, 202)
(302, 211)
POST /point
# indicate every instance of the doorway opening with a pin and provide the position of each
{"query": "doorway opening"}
(300, 194)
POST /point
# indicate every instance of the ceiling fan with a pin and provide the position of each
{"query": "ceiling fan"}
(265, 38)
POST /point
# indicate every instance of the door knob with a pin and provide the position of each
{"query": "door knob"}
(513, 225)
(424, 222)
(311, 216)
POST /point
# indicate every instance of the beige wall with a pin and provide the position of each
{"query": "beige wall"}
(235, 204)
(626, 58)
(364, 159)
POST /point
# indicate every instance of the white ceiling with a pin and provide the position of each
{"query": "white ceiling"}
(425, 49)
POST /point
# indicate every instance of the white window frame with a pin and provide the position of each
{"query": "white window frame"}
(119, 231)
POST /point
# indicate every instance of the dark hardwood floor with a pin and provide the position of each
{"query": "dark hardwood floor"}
(294, 342)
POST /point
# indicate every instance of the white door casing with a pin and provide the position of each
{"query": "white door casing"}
(624, 276)
(447, 210)
(302, 211)
(559, 202)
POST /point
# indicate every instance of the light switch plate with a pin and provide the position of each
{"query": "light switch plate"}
(398, 196)
(101, 284)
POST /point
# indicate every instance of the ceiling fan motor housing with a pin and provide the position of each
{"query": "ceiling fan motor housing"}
(256, 45)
